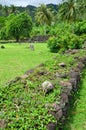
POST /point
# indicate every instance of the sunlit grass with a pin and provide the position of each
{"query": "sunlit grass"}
(16, 59)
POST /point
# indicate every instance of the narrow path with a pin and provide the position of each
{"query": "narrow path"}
(77, 115)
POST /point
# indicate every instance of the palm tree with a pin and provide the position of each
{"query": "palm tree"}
(82, 8)
(13, 9)
(6, 10)
(69, 10)
(44, 16)
(0, 9)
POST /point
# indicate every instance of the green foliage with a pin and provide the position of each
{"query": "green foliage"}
(18, 26)
(3, 34)
(80, 28)
(64, 42)
(53, 44)
(2, 21)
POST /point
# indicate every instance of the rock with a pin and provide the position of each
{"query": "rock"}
(80, 65)
(83, 60)
(74, 75)
(64, 97)
(62, 103)
(65, 84)
(76, 57)
(57, 75)
(24, 76)
(2, 47)
(74, 84)
(29, 72)
(62, 64)
(74, 51)
(47, 86)
(2, 123)
(59, 114)
(51, 126)
(67, 90)
(56, 107)
(61, 75)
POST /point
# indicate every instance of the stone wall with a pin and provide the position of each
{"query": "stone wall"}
(68, 89)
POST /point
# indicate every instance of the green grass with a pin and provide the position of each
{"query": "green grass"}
(24, 105)
(77, 116)
(16, 59)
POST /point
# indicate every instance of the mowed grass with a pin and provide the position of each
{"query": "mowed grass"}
(77, 118)
(16, 59)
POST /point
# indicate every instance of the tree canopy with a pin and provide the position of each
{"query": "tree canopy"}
(18, 26)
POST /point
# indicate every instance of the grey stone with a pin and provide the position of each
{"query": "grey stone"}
(65, 84)
(2, 123)
(51, 126)
(62, 64)
(47, 86)
(56, 107)
(64, 97)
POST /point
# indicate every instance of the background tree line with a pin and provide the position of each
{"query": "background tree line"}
(17, 22)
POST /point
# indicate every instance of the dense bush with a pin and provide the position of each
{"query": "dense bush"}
(80, 28)
(64, 42)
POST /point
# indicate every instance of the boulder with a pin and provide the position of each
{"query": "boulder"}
(47, 86)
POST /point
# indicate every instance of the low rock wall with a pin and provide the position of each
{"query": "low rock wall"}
(69, 88)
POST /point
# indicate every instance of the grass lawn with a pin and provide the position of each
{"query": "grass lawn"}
(77, 118)
(16, 59)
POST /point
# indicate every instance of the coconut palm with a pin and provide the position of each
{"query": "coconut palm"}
(69, 10)
(0, 9)
(44, 16)
(6, 10)
(13, 9)
(82, 8)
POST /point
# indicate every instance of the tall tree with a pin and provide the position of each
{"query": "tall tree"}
(0, 9)
(6, 10)
(44, 16)
(69, 10)
(13, 9)
(82, 8)
(19, 26)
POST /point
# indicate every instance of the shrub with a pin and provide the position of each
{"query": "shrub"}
(80, 28)
(53, 44)
(64, 42)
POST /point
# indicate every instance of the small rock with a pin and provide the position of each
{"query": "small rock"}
(65, 84)
(47, 86)
(2, 123)
(64, 97)
(74, 51)
(52, 126)
(59, 114)
(74, 75)
(2, 47)
(24, 76)
(56, 107)
(29, 72)
(62, 64)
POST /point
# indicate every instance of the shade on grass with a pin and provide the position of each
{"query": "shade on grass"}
(77, 116)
